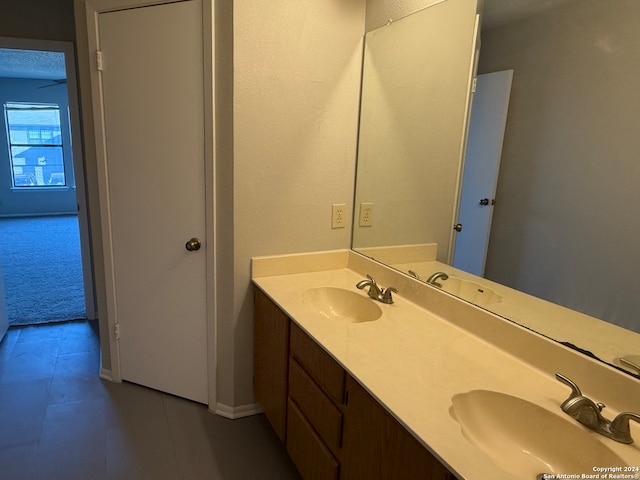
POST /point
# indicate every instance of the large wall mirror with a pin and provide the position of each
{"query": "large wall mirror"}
(560, 255)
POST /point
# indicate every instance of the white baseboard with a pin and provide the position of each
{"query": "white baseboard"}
(106, 375)
(237, 412)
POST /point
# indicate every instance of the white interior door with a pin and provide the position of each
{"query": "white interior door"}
(482, 163)
(152, 93)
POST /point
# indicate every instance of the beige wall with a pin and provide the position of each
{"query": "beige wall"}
(296, 86)
(565, 226)
(412, 131)
(379, 12)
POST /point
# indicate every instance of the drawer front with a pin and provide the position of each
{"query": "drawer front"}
(324, 370)
(321, 413)
(311, 457)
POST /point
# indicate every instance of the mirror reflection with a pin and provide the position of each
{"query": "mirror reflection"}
(563, 227)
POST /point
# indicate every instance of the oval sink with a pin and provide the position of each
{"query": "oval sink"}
(338, 303)
(525, 439)
(470, 291)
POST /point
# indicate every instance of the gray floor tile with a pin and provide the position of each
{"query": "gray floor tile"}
(6, 345)
(59, 420)
(70, 388)
(140, 453)
(75, 464)
(37, 332)
(83, 363)
(80, 423)
(22, 410)
(16, 462)
(33, 360)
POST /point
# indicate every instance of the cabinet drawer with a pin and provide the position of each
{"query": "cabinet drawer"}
(321, 413)
(324, 370)
(312, 458)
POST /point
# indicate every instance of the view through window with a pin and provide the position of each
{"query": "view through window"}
(35, 144)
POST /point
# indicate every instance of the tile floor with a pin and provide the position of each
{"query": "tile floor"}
(59, 420)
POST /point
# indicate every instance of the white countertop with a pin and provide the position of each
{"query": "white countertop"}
(414, 359)
(607, 341)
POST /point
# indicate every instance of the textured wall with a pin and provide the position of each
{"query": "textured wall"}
(565, 226)
(296, 90)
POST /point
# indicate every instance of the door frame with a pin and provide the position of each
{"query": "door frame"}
(87, 12)
(78, 161)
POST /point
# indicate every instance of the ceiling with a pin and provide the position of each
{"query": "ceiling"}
(15, 63)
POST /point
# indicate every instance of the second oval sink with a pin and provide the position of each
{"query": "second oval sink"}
(527, 440)
(338, 303)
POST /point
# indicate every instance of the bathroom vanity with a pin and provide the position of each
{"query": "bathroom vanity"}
(332, 427)
(427, 387)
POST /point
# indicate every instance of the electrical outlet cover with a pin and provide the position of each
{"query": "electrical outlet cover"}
(338, 215)
(366, 214)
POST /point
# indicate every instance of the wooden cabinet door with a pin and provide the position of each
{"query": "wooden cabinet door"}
(271, 360)
(376, 446)
(311, 456)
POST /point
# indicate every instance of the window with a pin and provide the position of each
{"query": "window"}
(35, 145)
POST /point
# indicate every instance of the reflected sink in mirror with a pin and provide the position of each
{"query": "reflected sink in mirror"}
(338, 303)
(470, 291)
(525, 439)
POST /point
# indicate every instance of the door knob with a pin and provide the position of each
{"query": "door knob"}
(193, 245)
(484, 201)
(457, 227)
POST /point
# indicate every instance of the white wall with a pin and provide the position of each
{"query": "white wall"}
(4, 319)
(565, 226)
(296, 89)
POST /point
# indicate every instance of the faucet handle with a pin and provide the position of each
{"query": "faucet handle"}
(629, 363)
(575, 390)
(386, 294)
(620, 426)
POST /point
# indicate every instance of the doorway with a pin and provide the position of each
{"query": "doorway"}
(44, 226)
(148, 85)
(482, 163)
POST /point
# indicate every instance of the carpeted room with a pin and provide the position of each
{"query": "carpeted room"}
(42, 269)
(40, 256)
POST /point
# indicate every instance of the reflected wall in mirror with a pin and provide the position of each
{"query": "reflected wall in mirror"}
(564, 225)
(413, 125)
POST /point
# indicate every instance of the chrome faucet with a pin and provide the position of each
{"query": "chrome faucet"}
(585, 411)
(381, 295)
(433, 279)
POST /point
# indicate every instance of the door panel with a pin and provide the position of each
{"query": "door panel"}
(152, 87)
(480, 179)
